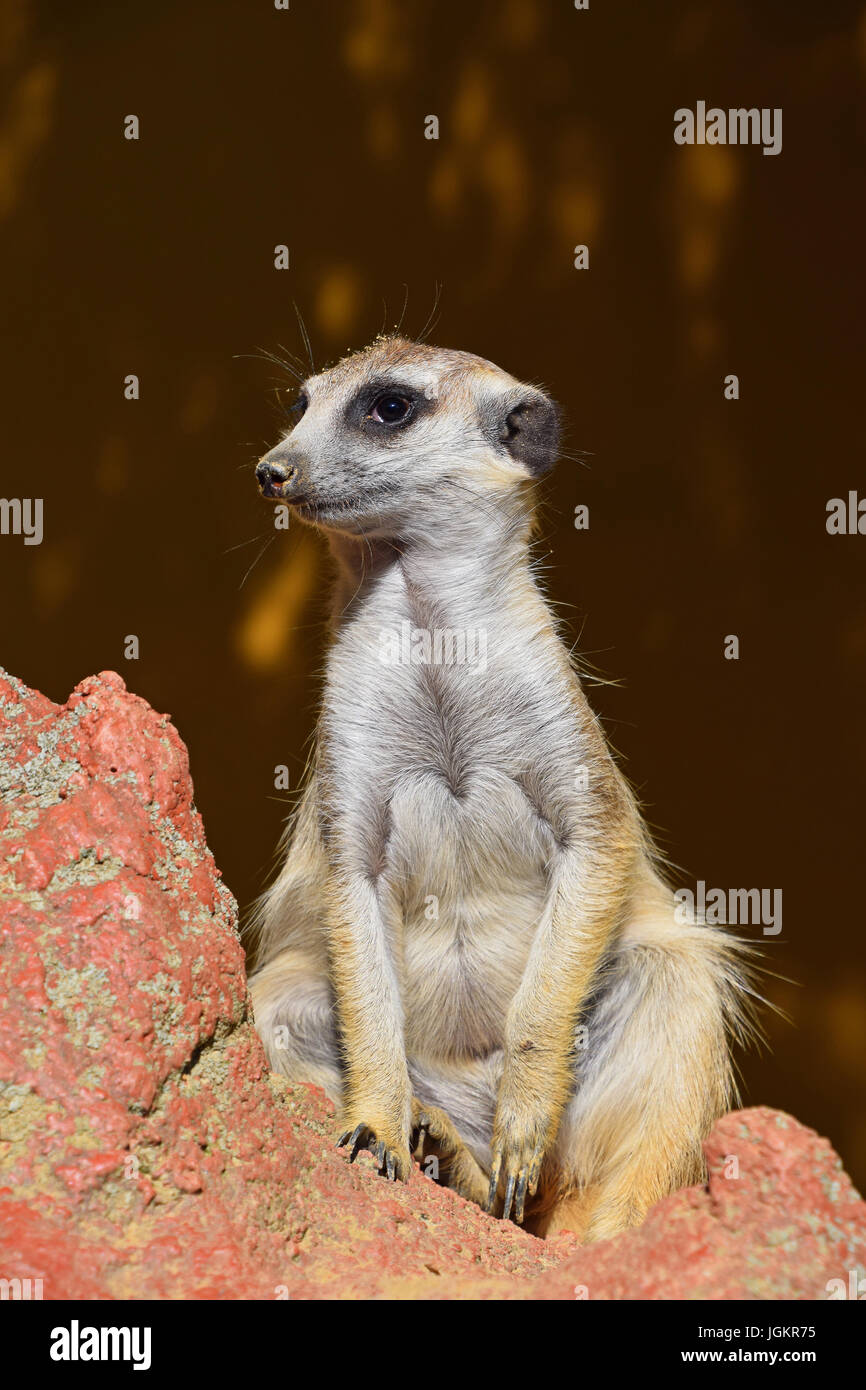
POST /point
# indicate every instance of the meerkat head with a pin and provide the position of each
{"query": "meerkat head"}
(390, 438)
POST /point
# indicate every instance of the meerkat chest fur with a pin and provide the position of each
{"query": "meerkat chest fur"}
(450, 742)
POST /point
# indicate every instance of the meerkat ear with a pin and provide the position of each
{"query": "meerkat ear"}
(530, 430)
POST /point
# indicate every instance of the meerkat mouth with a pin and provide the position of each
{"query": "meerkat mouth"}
(322, 508)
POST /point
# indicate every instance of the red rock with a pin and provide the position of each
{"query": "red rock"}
(146, 1152)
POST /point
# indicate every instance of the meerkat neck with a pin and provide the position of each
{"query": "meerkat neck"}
(473, 562)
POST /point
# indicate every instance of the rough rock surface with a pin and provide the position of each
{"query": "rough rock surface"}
(145, 1152)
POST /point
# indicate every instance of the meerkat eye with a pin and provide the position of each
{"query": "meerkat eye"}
(390, 409)
(299, 406)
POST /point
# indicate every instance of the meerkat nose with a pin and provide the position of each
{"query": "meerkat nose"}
(274, 475)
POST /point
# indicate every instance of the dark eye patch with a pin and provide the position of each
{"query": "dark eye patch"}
(384, 407)
(298, 406)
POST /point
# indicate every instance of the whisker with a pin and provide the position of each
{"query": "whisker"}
(263, 355)
(432, 319)
(240, 545)
(292, 357)
(256, 560)
(306, 337)
(403, 311)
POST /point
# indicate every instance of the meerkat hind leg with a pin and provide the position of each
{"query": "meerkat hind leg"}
(295, 1018)
(458, 1168)
(653, 1078)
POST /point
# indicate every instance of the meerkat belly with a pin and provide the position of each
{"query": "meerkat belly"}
(470, 872)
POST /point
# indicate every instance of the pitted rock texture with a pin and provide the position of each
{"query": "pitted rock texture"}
(145, 1152)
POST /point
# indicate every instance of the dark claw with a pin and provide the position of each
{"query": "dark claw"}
(422, 1121)
(380, 1155)
(535, 1171)
(520, 1196)
(509, 1193)
(342, 1139)
(494, 1184)
(392, 1167)
(353, 1141)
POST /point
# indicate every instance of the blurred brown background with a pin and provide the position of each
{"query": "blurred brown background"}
(261, 127)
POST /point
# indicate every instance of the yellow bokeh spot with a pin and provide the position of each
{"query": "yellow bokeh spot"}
(471, 107)
(266, 636)
(576, 212)
(338, 301)
(29, 112)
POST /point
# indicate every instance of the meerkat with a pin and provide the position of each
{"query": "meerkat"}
(470, 946)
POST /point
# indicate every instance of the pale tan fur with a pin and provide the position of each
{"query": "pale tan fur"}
(566, 1038)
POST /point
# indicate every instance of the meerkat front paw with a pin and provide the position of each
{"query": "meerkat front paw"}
(390, 1152)
(517, 1151)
